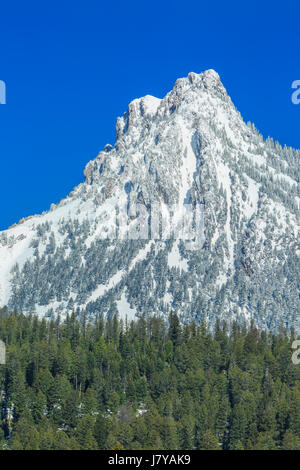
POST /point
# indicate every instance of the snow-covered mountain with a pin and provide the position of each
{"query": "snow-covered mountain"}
(191, 148)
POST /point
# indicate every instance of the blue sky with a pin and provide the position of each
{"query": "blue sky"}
(72, 67)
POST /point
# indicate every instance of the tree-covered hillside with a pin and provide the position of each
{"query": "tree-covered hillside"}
(145, 385)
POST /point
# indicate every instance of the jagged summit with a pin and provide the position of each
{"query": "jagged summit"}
(184, 90)
(190, 148)
(192, 103)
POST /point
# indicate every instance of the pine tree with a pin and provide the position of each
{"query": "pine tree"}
(101, 431)
(209, 441)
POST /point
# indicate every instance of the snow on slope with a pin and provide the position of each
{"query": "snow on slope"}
(191, 147)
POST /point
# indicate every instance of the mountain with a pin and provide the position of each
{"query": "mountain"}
(189, 150)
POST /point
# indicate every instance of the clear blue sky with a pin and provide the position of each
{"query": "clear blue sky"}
(72, 67)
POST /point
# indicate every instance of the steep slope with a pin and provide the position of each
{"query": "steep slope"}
(190, 149)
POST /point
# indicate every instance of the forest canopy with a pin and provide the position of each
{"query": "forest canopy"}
(148, 384)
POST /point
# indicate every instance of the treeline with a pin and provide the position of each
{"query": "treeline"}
(74, 384)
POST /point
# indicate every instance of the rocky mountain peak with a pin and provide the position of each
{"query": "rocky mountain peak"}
(189, 148)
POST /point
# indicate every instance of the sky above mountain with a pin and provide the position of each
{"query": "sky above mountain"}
(72, 67)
